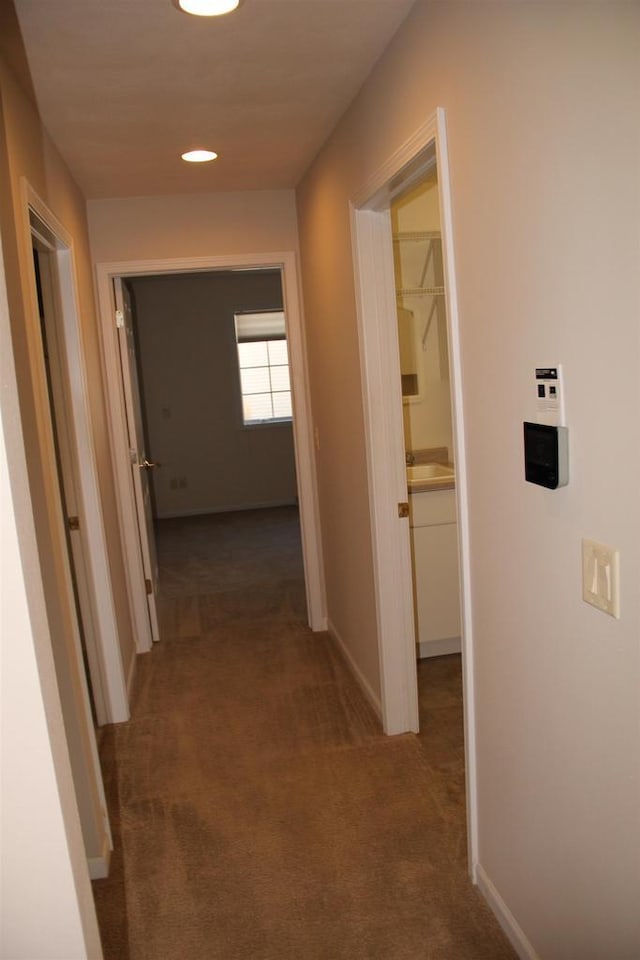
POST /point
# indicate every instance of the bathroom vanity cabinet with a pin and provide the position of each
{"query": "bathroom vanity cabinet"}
(434, 544)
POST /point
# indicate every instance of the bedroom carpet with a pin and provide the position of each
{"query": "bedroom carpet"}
(258, 811)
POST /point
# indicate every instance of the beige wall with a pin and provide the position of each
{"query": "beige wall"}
(201, 225)
(32, 157)
(543, 129)
(190, 384)
(47, 906)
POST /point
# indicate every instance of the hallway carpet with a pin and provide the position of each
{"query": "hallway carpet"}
(258, 811)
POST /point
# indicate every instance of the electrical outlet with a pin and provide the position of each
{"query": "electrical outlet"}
(601, 577)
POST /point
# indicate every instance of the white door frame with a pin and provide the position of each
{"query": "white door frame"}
(107, 674)
(377, 328)
(302, 429)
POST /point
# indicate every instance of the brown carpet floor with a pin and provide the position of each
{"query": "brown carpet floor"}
(258, 811)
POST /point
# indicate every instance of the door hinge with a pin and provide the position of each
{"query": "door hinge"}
(119, 318)
(149, 586)
(403, 510)
(73, 523)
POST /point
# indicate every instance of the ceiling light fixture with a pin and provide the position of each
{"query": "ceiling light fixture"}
(208, 8)
(199, 156)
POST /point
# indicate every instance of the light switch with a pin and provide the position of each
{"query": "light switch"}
(601, 577)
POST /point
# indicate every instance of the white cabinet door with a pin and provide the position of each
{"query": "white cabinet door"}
(437, 594)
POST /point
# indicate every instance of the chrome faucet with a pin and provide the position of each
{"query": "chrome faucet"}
(409, 459)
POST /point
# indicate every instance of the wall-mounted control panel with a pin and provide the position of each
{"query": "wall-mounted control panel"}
(550, 395)
(546, 455)
(546, 442)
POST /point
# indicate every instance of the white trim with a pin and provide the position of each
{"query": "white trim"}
(400, 165)
(88, 770)
(227, 508)
(99, 866)
(375, 287)
(439, 648)
(360, 678)
(506, 919)
(462, 487)
(302, 432)
(303, 446)
(143, 532)
(121, 462)
(111, 700)
(382, 403)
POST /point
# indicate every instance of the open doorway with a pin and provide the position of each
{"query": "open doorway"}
(58, 355)
(423, 152)
(215, 387)
(427, 416)
(70, 554)
(175, 487)
(45, 276)
(209, 410)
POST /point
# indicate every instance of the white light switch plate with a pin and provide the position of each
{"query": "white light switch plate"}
(601, 577)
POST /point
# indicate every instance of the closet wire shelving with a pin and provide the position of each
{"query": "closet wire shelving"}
(432, 239)
(426, 237)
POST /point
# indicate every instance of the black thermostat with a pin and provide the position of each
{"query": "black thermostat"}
(546, 455)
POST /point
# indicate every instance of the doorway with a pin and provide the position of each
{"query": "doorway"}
(68, 557)
(53, 296)
(208, 398)
(384, 434)
(303, 448)
(427, 416)
(46, 291)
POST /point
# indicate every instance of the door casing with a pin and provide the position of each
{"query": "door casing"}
(111, 697)
(60, 598)
(302, 423)
(384, 437)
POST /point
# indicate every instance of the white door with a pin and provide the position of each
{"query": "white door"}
(140, 463)
(45, 274)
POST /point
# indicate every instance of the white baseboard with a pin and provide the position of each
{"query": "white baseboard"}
(131, 677)
(505, 918)
(372, 697)
(226, 508)
(439, 648)
(99, 866)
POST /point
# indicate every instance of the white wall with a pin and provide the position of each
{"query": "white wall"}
(544, 133)
(190, 383)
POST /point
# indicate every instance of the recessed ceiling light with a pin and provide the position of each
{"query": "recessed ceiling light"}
(208, 8)
(199, 156)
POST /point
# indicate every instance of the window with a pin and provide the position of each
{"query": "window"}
(264, 367)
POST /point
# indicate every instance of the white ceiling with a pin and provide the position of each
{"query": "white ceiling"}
(125, 86)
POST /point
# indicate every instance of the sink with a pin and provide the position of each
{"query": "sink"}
(429, 471)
